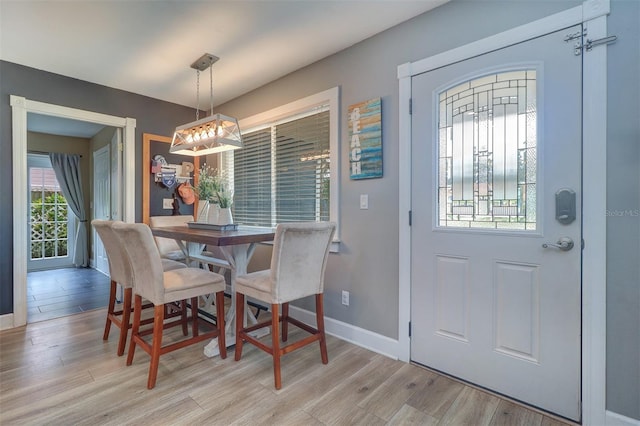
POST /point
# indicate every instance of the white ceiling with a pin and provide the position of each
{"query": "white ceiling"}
(146, 47)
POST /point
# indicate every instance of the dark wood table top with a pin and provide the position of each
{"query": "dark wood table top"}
(244, 235)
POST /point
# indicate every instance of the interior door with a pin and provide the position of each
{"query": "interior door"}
(101, 203)
(116, 175)
(495, 281)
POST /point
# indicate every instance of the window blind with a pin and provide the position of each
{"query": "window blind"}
(282, 173)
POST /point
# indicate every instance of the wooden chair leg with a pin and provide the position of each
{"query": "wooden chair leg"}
(320, 323)
(110, 309)
(184, 318)
(135, 329)
(156, 345)
(194, 316)
(222, 344)
(124, 324)
(275, 342)
(285, 321)
(239, 324)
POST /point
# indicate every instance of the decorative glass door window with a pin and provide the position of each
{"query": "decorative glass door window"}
(487, 152)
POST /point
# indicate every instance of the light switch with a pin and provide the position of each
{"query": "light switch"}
(167, 203)
(364, 201)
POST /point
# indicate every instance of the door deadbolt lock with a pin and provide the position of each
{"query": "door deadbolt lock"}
(564, 244)
(565, 206)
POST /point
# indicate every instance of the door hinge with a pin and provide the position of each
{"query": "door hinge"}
(409, 328)
(120, 147)
(410, 106)
(409, 217)
(582, 244)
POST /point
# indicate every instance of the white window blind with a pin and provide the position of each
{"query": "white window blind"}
(283, 172)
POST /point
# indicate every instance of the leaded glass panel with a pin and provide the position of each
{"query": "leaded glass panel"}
(487, 152)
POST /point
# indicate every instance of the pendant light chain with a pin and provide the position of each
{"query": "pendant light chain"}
(197, 95)
(211, 86)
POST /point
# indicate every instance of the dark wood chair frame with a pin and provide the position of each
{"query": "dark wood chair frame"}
(276, 350)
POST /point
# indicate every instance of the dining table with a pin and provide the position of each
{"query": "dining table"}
(237, 247)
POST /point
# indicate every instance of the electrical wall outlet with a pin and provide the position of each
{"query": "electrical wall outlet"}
(167, 203)
(345, 298)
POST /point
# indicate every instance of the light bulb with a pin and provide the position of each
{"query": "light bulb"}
(220, 131)
(196, 136)
(211, 133)
(189, 138)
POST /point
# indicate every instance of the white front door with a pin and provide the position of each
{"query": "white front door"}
(101, 203)
(493, 302)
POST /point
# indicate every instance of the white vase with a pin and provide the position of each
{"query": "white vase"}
(203, 211)
(214, 210)
(224, 216)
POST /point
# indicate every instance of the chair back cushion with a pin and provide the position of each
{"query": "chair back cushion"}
(119, 268)
(166, 246)
(299, 259)
(146, 265)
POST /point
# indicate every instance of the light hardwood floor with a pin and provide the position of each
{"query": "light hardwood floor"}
(60, 372)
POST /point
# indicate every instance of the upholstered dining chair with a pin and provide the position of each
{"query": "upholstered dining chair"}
(169, 249)
(120, 272)
(159, 287)
(298, 263)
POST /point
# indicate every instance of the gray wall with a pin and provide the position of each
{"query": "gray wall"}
(367, 265)
(153, 116)
(623, 207)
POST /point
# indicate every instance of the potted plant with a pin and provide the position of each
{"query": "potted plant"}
(206, 189)
(224, 199)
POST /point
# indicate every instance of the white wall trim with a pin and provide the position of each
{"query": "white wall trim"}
(593, 14)
(594, 225)
(615, 419)
(20, 108)
(6, 321)
(404, 230)
(356, 335)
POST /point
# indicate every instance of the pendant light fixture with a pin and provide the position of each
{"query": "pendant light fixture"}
(210, 135)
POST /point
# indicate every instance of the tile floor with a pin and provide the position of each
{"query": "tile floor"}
(56, 293)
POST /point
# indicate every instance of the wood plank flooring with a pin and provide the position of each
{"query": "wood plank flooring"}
(61, 372)
(59, 292)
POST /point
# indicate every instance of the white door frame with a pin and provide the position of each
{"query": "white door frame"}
(592, 13)
(20, 108)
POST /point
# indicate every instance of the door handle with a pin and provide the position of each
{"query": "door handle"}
(564, 244)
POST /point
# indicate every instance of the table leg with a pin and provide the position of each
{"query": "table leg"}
(238, 257)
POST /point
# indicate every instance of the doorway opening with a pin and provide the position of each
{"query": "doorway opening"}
(24, 114)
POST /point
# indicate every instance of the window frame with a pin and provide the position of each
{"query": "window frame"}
(289, 112)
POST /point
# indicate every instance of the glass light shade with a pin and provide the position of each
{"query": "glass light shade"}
(216, 133)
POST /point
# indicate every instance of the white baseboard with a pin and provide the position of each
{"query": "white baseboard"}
(615, 419)
(6, 321)
(356, 335)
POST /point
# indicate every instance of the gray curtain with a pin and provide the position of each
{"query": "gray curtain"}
(67, 168)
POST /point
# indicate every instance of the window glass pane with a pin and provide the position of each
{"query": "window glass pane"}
(49, 215)
(487, 153)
